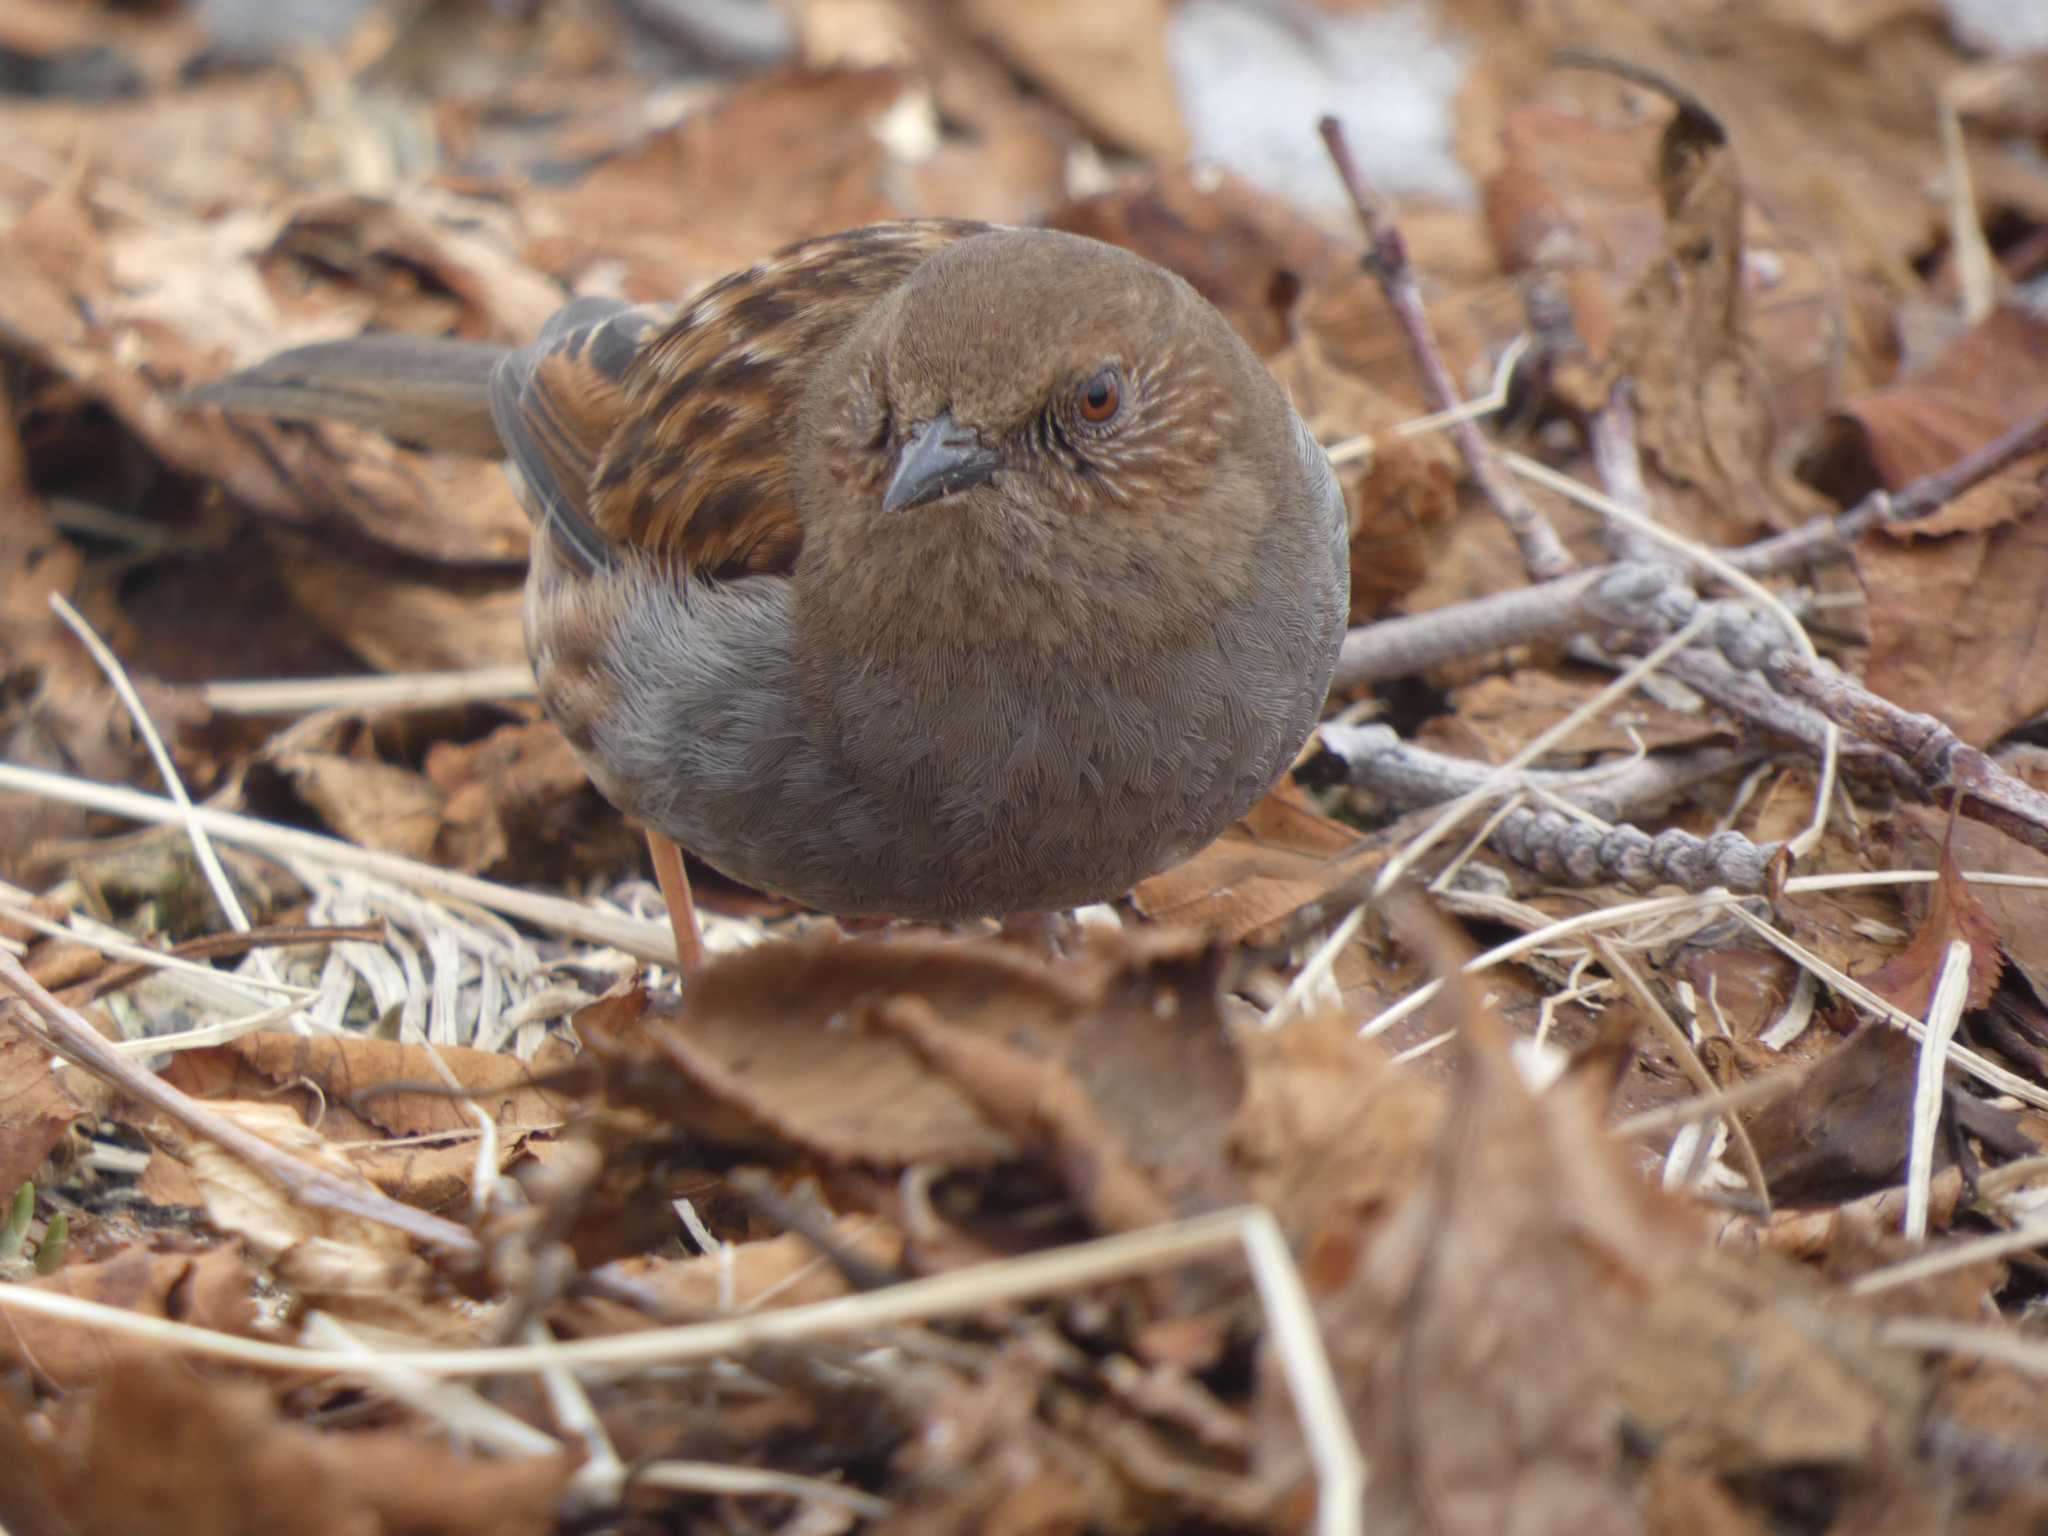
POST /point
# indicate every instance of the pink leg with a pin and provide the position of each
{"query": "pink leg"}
(682, 912)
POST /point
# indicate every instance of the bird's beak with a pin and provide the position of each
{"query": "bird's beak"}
(939, 458)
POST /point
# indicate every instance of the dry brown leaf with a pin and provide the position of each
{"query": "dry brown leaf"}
(346, 1264)
(376, 805)
(36, 1111)
(783, 1271)
(1329, 1136)
(160, 1451)
(1953, 915)
(1574, 207)
(1405, 488)
(1743, 987)
(663, 218)
(1829, 105)
(772, 1051)
(1812, 1233)
(1039, 1103)
(1953, 600)
(420, 260)
(333, 1071)
(1742, 1366)
(178, 152)
(1956, 622)
(519, 806)
(398, 620)
(1245, 252)
(214, 1288)
(1843, 1131)
(1918, 833)
(1990, 378)
(128, 317)
(1106, 64)
(1682, 342)
(1283, 855)
(1495, 717)
(341, 1068)
(1480, 1337)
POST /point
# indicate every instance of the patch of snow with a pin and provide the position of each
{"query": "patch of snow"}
(1254, 75)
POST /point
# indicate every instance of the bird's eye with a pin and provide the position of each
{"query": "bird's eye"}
(1101, 398)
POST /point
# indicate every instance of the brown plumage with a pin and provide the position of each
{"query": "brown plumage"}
(928, 570)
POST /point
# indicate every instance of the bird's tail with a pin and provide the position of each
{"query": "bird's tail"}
(422, 390)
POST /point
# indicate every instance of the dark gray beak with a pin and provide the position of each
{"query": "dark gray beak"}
(939, 458)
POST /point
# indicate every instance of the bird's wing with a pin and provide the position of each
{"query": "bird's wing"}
(557, 402)
(672, 432)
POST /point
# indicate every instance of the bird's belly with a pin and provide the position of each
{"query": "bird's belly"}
(997, 792)
(1026, 793)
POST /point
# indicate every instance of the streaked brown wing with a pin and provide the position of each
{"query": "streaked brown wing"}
(557, 402)
(698, 466)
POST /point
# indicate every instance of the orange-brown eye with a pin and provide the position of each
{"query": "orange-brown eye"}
(1101, 397)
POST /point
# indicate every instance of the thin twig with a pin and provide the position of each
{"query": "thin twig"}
(1386, 258)
(405, 690)
(1826, 539)
(1408, 644)
(202, 846)
(1681, 1047)
(1930, 1085)
(1290, 1316)
(215, 946)
(634, 936)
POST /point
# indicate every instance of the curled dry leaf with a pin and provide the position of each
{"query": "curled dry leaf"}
(1954, 915)
(514, 803)
(345, 1085)
(1682, 341)
(346, 1265)
(376, 805)
(520, 805)
(1113, 1068)
(1809, 1234)
(400, 620)
(1330, 1137)
(771, 1049)
(127, 317)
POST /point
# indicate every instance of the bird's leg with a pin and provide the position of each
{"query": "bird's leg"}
(675, 893)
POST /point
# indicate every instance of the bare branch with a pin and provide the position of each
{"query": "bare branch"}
(1386, 258)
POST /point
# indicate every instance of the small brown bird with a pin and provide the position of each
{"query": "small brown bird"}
(929, 570)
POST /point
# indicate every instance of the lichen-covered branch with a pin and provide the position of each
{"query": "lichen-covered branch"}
(1378, 762)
